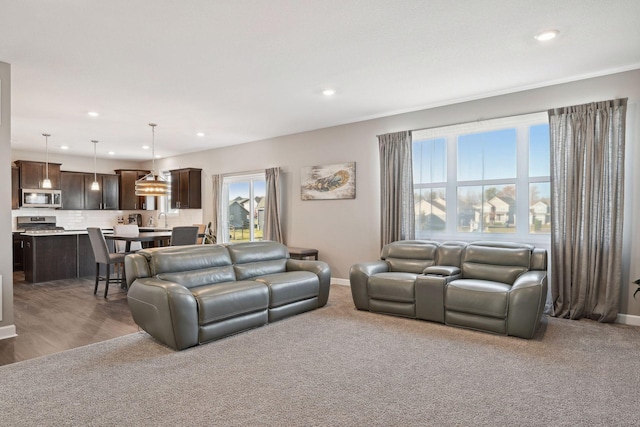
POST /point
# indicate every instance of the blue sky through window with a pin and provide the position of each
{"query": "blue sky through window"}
(241, 189)
(429, 160)
(487, 155)
(539, 150)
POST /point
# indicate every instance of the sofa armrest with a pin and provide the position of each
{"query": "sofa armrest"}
(359, 275)
(320, 269)
(135, 267)
(442, 270)
(166, 310)
(527, 299)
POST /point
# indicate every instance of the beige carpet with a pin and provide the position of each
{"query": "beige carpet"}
(338, 366)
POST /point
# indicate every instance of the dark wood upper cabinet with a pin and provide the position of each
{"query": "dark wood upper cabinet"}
(110, 191)
(127, 193)
(15, 187)
(92, 198)
(72, 186)
(186, 188)
(31, 174)
(106, 198)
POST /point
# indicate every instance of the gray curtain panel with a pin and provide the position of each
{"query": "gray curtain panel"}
(396, 187)
(216, 196)
(587, 180)
(272, 230)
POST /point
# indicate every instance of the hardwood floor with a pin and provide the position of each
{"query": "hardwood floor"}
(55, 316)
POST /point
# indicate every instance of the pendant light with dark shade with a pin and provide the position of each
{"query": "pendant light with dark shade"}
(152, 184)
(46, 183)
(94, 185)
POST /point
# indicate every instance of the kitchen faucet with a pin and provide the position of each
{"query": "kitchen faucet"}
(165, 218)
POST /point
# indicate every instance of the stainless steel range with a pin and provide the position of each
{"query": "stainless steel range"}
(38, 224)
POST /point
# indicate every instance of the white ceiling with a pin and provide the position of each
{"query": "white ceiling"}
(246, 70)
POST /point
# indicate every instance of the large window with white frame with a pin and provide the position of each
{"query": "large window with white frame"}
(243, 207)
(484, 178)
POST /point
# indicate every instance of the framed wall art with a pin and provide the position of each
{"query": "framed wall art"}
(328, 182)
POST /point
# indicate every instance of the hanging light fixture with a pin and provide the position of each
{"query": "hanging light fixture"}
(94, 185)
(46, 183)
(152, 184)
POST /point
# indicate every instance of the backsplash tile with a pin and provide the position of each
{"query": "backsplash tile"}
(81, 219)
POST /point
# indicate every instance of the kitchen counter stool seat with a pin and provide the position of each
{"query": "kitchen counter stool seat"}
(103, 256)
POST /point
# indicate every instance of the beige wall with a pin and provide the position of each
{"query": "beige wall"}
(347, 231)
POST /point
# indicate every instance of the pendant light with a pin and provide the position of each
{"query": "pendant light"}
(46, 183)
(94, 185)
(152, 184)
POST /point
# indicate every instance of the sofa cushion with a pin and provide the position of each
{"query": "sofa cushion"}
(292, 286)
(226, 300)
(411, 256)
(498, 262)
(393, 286)
(482, 297)
(207, 276)
(186, 258)
(253, 259)
(450, 253)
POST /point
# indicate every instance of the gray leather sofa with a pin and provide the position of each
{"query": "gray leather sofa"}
(187, 295)
(488, 286)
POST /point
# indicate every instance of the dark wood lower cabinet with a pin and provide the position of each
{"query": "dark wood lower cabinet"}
(50, 257)
(18, 252)
(86, 261)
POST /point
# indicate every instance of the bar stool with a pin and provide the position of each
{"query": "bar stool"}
(103, 256)
(184, 235)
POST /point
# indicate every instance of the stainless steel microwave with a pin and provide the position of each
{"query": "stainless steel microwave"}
(41, 198)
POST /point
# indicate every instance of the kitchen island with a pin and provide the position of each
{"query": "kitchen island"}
(58, 255)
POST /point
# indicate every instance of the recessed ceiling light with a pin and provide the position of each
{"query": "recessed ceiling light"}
(546, 35)
(64, 147)
(111, 153)
(200, 134)
(93, 114)
(157, 156)
(329, 92)
(145, 147)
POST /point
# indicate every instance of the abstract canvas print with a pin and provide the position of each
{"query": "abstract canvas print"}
(328, 182)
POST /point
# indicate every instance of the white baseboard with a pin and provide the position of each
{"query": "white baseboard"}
(343, 282)
(628, 319)
(8, 332)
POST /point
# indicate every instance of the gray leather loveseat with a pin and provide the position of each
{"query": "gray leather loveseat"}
(187, 295)
(488, 286)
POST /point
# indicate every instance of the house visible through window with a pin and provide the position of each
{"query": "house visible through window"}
(243, 207)
(487, 177)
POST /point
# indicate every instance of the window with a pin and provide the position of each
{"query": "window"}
(487, 177)
(243, 207)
